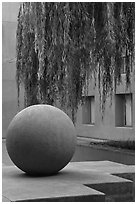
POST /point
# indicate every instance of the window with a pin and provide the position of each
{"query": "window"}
(123, 110)
(123, 68)
(88, 110)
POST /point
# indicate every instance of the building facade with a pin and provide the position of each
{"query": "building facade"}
(9, 89)
(119, 118)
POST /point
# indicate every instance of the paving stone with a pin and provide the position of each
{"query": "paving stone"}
(78, 181)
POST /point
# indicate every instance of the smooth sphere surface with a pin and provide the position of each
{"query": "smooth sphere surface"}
(41, 140)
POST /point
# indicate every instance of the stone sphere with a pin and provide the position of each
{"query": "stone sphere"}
(41, 140)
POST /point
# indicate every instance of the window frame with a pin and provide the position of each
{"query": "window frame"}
(121, 99)
(88, 99)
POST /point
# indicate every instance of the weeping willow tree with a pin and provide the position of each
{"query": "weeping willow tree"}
(60, 45)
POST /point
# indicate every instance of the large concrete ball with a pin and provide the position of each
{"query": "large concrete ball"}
(41, 140)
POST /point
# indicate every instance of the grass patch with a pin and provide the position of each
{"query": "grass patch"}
(129, 144)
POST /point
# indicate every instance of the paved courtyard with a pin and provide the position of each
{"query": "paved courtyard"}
(78, 181)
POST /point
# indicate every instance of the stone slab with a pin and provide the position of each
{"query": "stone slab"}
(103, 166)
(78, 181)
(18, 186)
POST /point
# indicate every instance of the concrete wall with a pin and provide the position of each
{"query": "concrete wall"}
(9, 89)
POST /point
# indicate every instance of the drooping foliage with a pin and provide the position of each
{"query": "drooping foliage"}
(61, 44)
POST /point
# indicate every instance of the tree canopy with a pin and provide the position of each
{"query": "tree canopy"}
(61, 44)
